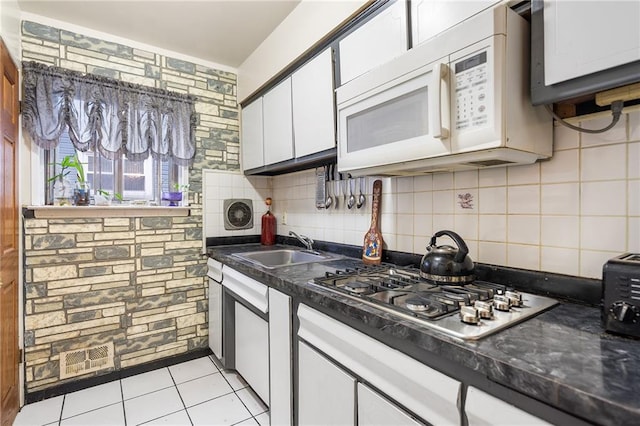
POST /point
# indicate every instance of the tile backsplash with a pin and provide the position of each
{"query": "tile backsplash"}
(566, 215)
(220, 185)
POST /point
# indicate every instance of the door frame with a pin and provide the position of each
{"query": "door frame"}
(8, 62)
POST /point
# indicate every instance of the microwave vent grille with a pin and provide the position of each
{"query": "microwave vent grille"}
(489, 163)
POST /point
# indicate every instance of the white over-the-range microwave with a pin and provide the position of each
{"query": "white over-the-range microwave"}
(458, 101)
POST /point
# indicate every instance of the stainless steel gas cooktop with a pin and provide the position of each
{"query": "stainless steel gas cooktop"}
(467, 312)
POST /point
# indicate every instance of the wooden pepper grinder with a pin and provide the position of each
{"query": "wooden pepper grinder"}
(372, 248)
(268, 235)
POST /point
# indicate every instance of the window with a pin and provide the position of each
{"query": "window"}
(132, 140)
(132, 180)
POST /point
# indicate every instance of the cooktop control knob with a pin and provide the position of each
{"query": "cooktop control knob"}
(469, 315)
(624, 312)
(485, 309)
(515, 298)
(501, 303)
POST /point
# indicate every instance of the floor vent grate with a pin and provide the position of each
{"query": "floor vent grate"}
(87, 360)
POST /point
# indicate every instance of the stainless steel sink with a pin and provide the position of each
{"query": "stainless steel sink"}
(284, 257)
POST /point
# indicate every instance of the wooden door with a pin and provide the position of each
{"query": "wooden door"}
(9, 360)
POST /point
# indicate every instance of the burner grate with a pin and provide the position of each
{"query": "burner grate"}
(447, 308)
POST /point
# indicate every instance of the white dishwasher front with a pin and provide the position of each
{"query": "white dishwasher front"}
(252, 350)
(248, 299)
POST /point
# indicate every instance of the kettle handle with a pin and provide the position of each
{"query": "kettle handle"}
(463, 250)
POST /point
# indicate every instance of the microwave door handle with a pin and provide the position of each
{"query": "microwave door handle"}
(440, 73)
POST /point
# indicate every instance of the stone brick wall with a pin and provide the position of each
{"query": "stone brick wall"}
(137, 282)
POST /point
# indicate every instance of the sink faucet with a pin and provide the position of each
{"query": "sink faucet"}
(306, 241)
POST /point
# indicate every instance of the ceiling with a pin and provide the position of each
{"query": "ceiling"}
(221, 31)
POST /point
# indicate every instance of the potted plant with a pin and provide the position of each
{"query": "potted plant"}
(62, 186)
(81, 192)
(175, 196)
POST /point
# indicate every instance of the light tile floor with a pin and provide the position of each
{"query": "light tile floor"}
(195, 392)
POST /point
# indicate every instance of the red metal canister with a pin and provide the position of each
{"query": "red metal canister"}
(268, 235)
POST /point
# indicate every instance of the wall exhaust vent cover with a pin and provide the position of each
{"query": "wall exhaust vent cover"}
(87, 360)
(238, 214)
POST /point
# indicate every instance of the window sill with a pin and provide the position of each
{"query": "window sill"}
(62, 212)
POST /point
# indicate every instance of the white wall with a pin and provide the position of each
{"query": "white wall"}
(309, 22)
(10, 27)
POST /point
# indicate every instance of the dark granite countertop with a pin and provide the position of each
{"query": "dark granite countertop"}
(561, 357)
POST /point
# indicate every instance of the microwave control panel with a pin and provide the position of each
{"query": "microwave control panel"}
(471, 92)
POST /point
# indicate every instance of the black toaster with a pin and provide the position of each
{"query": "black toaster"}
(621, 295)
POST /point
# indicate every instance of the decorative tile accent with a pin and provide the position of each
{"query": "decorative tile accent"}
(465, 200)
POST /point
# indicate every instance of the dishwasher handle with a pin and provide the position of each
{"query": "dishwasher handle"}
(214, 269)
(249, 290)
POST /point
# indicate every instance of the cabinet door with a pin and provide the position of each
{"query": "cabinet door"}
(574, 48)
(280, 362)
(252, 350)
(326, 394)
(278, 123)
(431, 17)
(431, 395)
(252, 136)
(374, 409)
(313, 106)
(377, 41)
(215, 318)
(485, 410)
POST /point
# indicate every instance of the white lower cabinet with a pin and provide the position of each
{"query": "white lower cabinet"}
(214, 273)
(280, 358)
(423, 391)
(375, 410)
(483, 409)
(252, 350)
(326, 394)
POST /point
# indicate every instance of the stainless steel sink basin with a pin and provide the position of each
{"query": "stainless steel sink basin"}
(284, 257)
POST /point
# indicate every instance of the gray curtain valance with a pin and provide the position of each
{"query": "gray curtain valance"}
(101, 114)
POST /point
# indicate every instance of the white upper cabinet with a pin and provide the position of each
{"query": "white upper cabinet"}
(485, 410)
(377, 41)
(278, 123)
(583, 37)
(430, 17)
(252, 136)
(313, 106)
